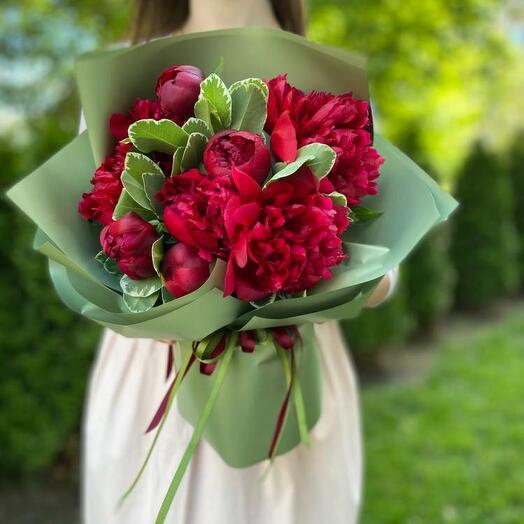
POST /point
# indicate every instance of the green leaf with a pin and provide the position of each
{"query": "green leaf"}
(108, 263)
(177, 160)
(159, 226)
(196, 125)
(166, 296)
(323, 158)
(214, 103)
(318, 157)
(249, 105)
(137, 163)
(192, 155)
(140, 304)
(363, 214)
(338, 198)
(135, 189)
(126, 204)
(264, 301)
(284, 170)
(101, 257)
(152, 184)
(140, 288)
(251, 81)
(157, 135)
(157, 253)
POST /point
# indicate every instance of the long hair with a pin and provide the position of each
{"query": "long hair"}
(155, 18)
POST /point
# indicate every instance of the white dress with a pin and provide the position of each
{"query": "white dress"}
(308, 485)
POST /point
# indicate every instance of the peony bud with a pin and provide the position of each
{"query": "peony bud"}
(241, 149)
(128, 241)
(183, 270)
(177, 90)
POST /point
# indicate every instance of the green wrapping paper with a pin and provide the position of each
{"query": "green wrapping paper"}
(243, 419)
(255, 385)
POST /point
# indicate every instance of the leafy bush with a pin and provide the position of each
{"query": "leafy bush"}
(516, 169)
(429, 274)
(45, 349)
(429, 280)
(375, 328)
(484, 245)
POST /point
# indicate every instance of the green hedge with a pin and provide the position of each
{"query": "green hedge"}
(429, 273)
(516, 169)
(429, 281)
(46, 350)
(385, 325)
(484, 244)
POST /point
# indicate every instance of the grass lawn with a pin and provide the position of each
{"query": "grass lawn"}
(450, 447)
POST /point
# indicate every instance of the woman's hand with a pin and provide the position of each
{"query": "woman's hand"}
(385, 288)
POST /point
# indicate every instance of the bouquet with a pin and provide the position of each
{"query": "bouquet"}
(232, 207)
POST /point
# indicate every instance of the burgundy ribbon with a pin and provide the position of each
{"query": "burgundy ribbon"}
(170, 360)
(285, 337)
(283, 409)
(163, 405)
(207, 368)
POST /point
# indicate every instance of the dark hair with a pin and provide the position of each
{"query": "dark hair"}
(155, 18)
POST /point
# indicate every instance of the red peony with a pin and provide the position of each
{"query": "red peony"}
(100, 202)
(183, 270)
(194, 208)
(119, 122)
(128, 242)
(177, 90)
(355, 156)
(282, 97)
(284, 237)
(339, 121)
(241, 149)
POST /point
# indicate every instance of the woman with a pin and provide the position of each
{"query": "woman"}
(321, 483)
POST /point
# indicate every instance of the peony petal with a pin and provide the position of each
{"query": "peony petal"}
(247, 187)
(240, 251)
(284, 139)
(229, 279)
(177, 227)
(118, 125)
(247, 214)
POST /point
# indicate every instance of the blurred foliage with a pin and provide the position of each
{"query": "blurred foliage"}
(429, 281)
(376, 328)
(484, 245)
(442, 73)
(448, 449)
(445, 67)
(516, 169)
(46, 350)
(428, 269)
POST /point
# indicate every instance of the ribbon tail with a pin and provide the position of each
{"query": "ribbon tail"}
(285, 404)
(157, 417)
(198, 431)
(170, 398)
(170, 360)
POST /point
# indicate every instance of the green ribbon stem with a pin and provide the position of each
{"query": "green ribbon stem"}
(220, 375)
(300, 410)
(176, 386)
